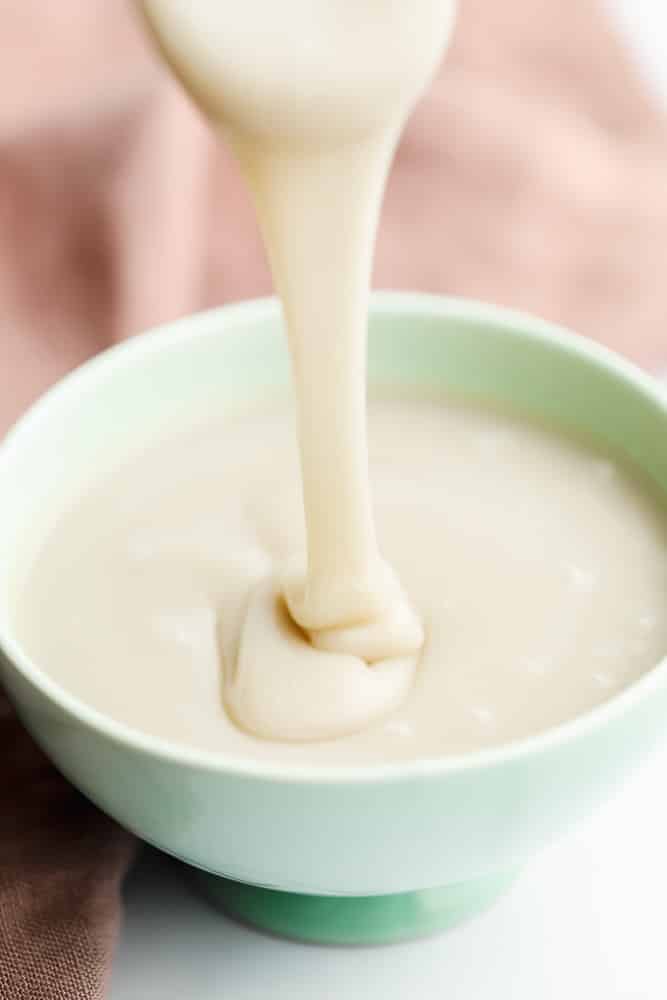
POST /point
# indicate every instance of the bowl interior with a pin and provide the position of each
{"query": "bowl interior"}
(115, 404)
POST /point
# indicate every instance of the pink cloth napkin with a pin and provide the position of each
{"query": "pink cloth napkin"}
(533, 175)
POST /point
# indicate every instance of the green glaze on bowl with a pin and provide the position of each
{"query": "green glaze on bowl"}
(430, 841)
(354, 920)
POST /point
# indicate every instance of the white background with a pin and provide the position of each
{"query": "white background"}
(586, 921)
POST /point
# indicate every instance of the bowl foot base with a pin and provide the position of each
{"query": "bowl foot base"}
(354, 920)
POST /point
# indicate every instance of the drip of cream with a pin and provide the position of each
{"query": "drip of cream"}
(313, 95)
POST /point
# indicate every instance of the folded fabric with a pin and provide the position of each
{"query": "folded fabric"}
(61, 865)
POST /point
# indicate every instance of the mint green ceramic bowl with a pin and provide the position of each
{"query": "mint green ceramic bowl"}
(358, 854)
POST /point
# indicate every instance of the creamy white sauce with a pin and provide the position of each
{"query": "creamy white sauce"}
(538, 568)
(313, 95)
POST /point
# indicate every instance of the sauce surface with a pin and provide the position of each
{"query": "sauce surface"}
(537, 565)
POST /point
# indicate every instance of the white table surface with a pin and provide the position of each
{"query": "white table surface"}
(586, 921)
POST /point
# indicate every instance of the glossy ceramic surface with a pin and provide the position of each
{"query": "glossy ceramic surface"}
(360, 832)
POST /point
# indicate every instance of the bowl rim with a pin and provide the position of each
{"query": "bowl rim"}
(172, 336)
